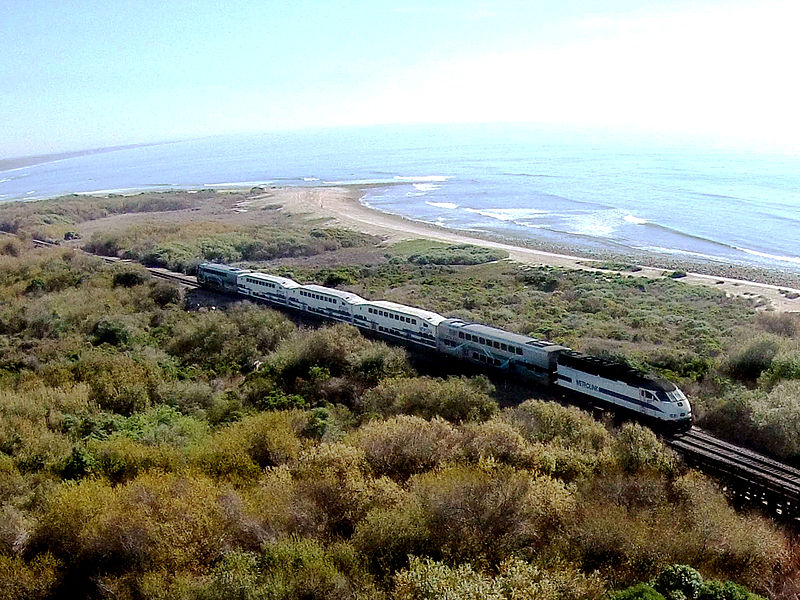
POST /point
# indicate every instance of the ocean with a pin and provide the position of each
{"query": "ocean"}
(575, 191)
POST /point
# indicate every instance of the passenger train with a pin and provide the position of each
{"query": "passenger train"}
(650, 398)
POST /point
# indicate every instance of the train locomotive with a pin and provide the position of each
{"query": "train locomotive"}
(652, 399)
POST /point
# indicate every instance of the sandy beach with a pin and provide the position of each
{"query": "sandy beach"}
(342, 204)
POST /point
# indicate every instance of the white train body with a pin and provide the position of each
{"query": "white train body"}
(271, 288)
(399, 321)
(653, 398)
(326, 302)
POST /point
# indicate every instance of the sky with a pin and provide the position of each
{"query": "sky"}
(78, 74)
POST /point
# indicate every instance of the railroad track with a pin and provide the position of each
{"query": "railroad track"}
(158, 272)
(750, 476)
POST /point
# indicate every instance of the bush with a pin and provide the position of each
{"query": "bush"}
(34, 580)
(753, 360)
(458, 254)
(130, 278)
(497, 440)
(551, 423)
(108, 331)
(679, 579)
(637, 448)
(484, 513)
(426, 579)
(301, 569)
(777, 417)
(404, 445)
(456, 399)
(640, 591)
(164, 293)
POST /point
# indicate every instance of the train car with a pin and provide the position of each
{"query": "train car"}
(650, 398)
(653, 398)
(325, 302)
(220, 277)
(398, 321)
(474, 342)
(268, 288)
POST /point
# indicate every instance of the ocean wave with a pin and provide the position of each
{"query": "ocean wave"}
(447, 205)
(422, 178)
(662, 250)
(310, 178)
(533, 175)
(513, 215)
(426, 187)
(791, 259)
(6, 179)
(235, 183)
(633, 219)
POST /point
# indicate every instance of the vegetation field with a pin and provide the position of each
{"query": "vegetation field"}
(149, 451)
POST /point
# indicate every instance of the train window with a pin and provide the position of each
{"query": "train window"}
(497, 345)
(475, 355)
(461, 334)
(504, 347)
(519, 351)
(482, 341)
(413, 321)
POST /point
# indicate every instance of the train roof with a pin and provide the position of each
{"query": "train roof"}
(346, 296)
(224, 268)
(614, 370)
(284, 281)
(494, 332)
(427, 315)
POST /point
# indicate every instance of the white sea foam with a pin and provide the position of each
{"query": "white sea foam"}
(5, 179)
(635, 220)
(447, 205)
(791, 259)
(509, 214)
(310, 178)
(662, 250)
(426, 187)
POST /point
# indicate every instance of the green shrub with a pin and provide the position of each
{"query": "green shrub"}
(108, 331)
(28, 580)
(548, 422)
(426, 579)
(456, 399)
(130, 278)
(756, 358)
(403, 445)
(637, 448)
(164, 293)
(679, 579)
(476, 512)
(640, 591)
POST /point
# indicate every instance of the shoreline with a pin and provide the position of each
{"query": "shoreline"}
(343, 204)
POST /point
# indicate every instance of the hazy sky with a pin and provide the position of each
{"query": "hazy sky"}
(79, 73)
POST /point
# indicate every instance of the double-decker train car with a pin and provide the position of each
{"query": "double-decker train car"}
(327, 302)
(399, 321)
(270, 288)
(652, 399)
(499, 348)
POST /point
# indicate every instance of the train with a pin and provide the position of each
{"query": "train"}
(651, 399)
